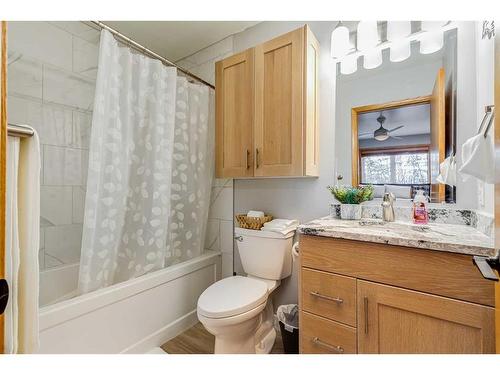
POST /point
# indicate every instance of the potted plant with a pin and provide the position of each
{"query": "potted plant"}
(350, 199)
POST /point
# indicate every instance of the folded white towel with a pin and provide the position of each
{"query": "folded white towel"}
(258, 214)
(281, 223)
(283, 231)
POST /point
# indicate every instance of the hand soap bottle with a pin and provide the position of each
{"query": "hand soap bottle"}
(420, 213)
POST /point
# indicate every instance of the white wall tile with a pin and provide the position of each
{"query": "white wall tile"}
(78, 204)
(68, 89)
(227, 265)
(41, 41)
(42, 238)
(63, 166)
(51, 262)
(25, 111)
(78, 29)
(63, 242)
(41, 259)
(25, 77)
(221, 206)
(212, 235)
(226, 236)
(85, 56)
(56, 204)
(57, 126)
(82, 122)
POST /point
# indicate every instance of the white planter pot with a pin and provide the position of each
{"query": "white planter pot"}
(350, 211)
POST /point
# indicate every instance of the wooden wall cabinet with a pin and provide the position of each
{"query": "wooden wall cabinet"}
(267, 109)
(360, 297)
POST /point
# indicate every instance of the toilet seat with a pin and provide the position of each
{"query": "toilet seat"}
(232, 296)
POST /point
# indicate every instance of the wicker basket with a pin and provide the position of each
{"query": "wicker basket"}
(252, 222)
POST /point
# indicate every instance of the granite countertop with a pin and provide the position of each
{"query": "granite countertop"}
(455, 238)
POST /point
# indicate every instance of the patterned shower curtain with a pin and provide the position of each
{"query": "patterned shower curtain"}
(150, 169)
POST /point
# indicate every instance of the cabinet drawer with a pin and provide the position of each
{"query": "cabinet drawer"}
(434, 272)
(322, 336)
(329, 295)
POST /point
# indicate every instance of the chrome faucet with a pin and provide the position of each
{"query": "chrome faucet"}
(388, 207)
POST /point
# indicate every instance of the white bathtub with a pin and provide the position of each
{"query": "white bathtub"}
(131, 317)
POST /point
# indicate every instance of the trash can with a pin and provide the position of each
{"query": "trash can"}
(288, 317)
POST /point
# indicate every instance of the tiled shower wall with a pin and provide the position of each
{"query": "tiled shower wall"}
(51, 85)
(220, 223)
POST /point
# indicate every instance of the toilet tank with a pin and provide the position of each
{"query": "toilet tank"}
(265, 254)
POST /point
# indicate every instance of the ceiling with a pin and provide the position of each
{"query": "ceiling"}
(175, 40)
(415, 118)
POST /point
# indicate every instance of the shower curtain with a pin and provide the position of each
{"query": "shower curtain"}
(149, 173)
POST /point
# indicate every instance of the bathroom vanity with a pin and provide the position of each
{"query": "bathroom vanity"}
(394, 288)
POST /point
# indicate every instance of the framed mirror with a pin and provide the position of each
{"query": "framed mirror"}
(401, 119)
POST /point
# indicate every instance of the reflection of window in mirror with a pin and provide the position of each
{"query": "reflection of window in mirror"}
(394, 147)
(401, 144)
(402, 119)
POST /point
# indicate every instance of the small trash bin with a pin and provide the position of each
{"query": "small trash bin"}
(288, 317)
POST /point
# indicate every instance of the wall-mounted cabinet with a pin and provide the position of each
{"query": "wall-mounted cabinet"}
(267, 109)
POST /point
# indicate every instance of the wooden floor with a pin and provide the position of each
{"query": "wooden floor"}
(197, 340)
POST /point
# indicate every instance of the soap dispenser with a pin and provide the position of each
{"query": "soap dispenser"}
(420, 211)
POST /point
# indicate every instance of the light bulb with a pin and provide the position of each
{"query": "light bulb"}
(431, 42)
(367, 35)
(432, 25)
(349, 64)
(372, 59)
(397, 30)
(400, 50)
(340, 42)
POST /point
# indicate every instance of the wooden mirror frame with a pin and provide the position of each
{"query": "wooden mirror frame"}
(356, 111)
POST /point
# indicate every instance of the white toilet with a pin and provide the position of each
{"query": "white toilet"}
(237, 310)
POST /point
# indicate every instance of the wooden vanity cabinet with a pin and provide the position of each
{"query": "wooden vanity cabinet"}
(267, 109)
(391, 299)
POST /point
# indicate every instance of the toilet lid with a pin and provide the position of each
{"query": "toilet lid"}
(232, 296)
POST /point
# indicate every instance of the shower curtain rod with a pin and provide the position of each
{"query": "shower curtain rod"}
(18, 130)
(147, 51)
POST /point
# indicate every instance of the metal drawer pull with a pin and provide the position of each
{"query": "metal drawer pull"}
(247, 161)
(335, 348)
(333, 299)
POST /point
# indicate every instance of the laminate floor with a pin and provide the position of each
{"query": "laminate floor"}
(197, 340)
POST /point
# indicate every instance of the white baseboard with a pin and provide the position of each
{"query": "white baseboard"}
(163, 334)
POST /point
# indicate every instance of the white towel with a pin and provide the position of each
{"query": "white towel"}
(23, 226)
(282, 226)
(281, 223)
(448, 171)
(478, 158)
(257, 214)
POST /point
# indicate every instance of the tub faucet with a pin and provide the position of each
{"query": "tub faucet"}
(388, 207)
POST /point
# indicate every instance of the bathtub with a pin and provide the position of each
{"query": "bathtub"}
(131, 317)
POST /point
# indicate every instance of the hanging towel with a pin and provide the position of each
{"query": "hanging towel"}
(478, 158)
(23, 231)
(448, 171)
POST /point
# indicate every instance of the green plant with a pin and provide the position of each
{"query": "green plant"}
(352, 195)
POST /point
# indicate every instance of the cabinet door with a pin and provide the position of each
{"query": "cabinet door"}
(234, 81)
(395, 320)
(279, 105)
